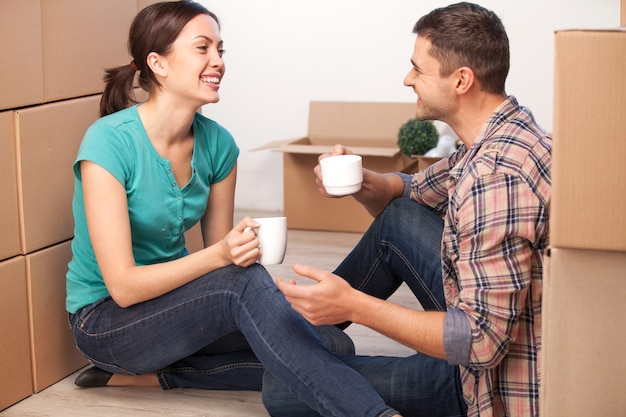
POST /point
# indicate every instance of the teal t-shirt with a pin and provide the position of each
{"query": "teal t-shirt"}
(160, 211)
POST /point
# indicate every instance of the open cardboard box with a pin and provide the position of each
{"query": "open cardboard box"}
(366, 128)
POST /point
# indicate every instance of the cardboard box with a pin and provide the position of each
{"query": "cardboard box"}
(584, 337)
(9, 221)
(15, 368)
(47, 140)
(80, 39)
(368, 129)
(589, 142)
(59, 50)
(623, 9)
(21, 82)
(54, 353)
(420, 163)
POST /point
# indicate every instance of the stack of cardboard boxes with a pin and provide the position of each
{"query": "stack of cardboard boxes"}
(584, 335)
(51, 80)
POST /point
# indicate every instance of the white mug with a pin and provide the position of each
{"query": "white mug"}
(272, 235)
(342, 174)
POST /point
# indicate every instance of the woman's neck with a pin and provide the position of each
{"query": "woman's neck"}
(165, 123)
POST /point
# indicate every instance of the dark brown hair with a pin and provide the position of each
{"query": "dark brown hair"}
(466, 34)
(154, 29)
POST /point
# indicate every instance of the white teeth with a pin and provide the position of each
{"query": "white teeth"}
(212, 80)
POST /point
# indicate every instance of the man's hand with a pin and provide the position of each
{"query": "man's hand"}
(331, 300)
(377, 190)
(328, 301)
(337, 150)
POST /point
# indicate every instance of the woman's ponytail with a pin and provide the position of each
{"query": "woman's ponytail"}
(118, 91)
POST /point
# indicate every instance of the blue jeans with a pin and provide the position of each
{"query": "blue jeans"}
(219, 332)
(403, 244)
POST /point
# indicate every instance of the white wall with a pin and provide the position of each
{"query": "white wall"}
(281, 54)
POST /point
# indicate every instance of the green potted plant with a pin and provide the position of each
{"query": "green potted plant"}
(416, 137)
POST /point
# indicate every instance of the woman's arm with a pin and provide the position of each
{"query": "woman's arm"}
(108, 221)
(218, 218)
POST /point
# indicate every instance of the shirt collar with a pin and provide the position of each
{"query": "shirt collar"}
(501, 115)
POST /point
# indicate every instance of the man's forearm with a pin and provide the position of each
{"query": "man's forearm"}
(378, 190)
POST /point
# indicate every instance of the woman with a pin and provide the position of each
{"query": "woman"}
(143, 310)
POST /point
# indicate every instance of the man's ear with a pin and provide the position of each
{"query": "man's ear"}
(157, 64)
(465, 79)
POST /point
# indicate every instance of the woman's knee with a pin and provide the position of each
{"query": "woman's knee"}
(335, 339)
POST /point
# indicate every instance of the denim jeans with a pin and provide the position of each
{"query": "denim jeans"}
(219, 332)
(403, 244)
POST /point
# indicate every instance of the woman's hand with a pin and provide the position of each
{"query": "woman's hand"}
(240, 246)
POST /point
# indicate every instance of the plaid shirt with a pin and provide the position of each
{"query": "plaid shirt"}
(495, 197)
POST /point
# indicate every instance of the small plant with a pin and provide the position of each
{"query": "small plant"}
(416, 137)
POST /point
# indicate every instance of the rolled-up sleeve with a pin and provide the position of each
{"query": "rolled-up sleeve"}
(457, 337)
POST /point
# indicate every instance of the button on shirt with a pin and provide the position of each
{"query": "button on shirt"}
(495, 197)
(160, 211)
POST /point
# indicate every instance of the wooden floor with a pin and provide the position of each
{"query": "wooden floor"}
(64, 399)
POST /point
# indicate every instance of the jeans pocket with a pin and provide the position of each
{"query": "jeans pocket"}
(80, 319)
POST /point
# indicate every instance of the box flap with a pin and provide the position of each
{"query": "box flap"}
(320, 149)
(276, 144)
(368, 129)
(372, 121)
(310, 147)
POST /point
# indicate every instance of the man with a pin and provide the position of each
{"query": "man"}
(467, 235)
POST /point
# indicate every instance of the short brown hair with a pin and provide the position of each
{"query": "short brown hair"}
(466, 34)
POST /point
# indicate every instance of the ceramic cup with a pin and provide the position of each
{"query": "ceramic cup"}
(342, 174)
(272, 235)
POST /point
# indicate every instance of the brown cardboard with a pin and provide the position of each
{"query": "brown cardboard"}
(80, 39)
(368, 129)
(54, 354)
(589, 142)
(21, 82)
(584, 336)
(47, 140)
(15, 368)
(419, 163)
(623, 9)
(9, 221)
(59, 50)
